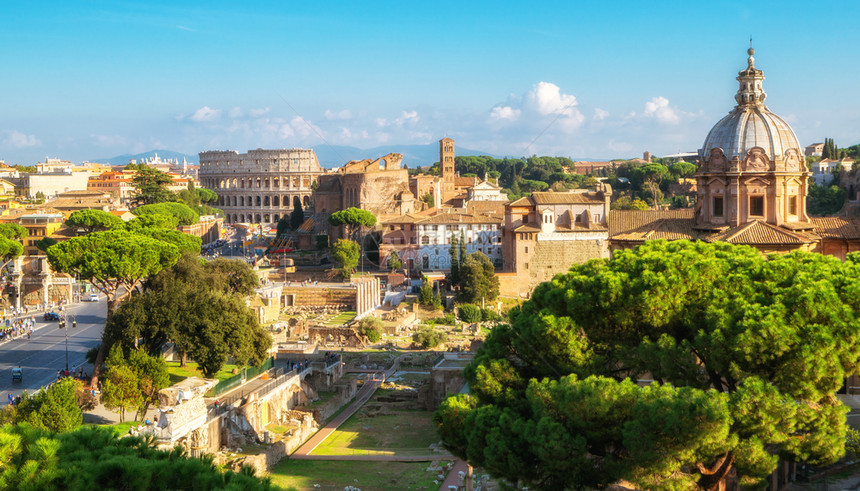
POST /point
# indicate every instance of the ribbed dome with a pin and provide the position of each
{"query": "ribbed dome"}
(750, 124)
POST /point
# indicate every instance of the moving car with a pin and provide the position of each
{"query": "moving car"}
(92, 297)
(51, 316)
(17, 374)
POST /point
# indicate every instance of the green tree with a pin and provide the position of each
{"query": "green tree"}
(478, 280)
(115, 262)
(44, 243)
(150, 186)
(297, 217)
(682, 169)
(96, 457)
(186, 243)
(394, 262)
(93, 221)
(425, 293)
(283, 225)
(745, 350)
(200, 306)
(151, 375)
(152, 220)
(371, 327)
(456, 261)
(182, 212)
(120, 389)
(649, 177)
(626, 203)
(427, 337)
(345, 255)
(351, 218)
(469, 313)
(11, 235)
(429, 200)
(824, 200)
(52, 409)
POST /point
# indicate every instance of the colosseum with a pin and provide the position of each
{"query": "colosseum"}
(260, 186)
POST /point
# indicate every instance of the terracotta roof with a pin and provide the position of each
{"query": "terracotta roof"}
(626, 221)
(545, 198)
(465, 181)
(486, 206)
(524, 201)
(837, 227)
(758, 232)
(527, 228)
(407, 218)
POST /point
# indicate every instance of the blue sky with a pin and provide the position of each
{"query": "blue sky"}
(85, 80)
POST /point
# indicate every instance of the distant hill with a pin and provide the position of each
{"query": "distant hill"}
(413, 155)
(162, 154)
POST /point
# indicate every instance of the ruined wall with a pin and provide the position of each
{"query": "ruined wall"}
(307, 296)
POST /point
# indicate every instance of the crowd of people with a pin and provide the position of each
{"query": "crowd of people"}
(13, 328)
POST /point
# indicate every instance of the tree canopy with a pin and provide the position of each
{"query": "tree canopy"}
(199, 306)
(477, 279)
(746, 352)
(93, 220)
(115, 262)
(150, 186)
(345, 254)
(352, 218)
(182, 212)
(152, 220)
(54, 408)
(98, 458)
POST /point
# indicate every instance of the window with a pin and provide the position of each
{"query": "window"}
(757, 206)
(425, 240)
(527, 249)
(718, 206)
(792, 205)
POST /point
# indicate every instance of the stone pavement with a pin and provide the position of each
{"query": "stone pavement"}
(453, 478)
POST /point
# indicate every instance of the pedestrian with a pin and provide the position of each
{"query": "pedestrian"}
(11, 398)
(59, 375)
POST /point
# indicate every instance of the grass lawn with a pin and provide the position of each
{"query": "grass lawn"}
(403, 433)
(369, 476)
(178, 373)
(340, 319)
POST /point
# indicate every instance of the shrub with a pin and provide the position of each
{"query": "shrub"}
(371, 327)
(427, 337)
(470, 313)
(488, 314)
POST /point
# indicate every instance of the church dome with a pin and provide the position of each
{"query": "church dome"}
(750, 124)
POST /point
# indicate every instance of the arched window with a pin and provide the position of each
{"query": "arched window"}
(276, 201)
(258, 204)
(266, 201)
(307, 201)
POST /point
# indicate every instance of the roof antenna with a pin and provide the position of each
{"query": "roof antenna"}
(750, 41)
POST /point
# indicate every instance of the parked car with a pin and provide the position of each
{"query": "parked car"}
(92, 297)
(51, 316)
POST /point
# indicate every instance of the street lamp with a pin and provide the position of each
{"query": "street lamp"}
(65, 327)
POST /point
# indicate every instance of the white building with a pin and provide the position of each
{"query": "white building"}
(822, 171)
(486, 191)
(480, 232)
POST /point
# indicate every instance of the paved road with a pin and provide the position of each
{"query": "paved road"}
(45, 353)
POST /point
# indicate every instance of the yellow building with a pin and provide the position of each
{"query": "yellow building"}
(39, 226)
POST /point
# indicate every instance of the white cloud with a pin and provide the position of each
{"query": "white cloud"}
(236, 112)
(204, 114)
(256, 113)
(18, 139)
(407, 117)
(659, 109)
(504, 113)
(600, 114)
(338, 116)
(546, 98)
(381, 122)
(285, 131)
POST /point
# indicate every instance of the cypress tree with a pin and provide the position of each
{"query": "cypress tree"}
(454, 251)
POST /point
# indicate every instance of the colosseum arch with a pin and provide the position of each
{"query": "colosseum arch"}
(276, 201)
